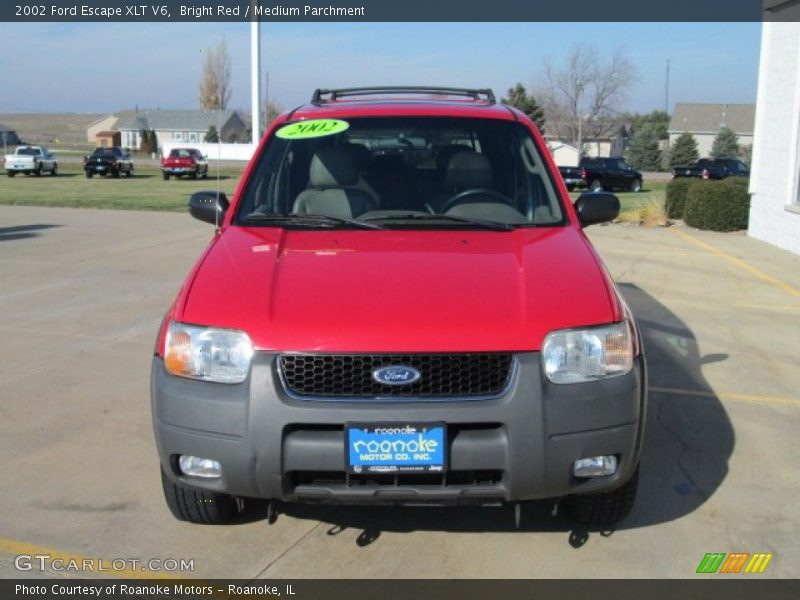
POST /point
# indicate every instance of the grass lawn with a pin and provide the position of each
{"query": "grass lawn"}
(146, 190)
(652, 193)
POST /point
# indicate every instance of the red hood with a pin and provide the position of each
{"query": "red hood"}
(399, 291)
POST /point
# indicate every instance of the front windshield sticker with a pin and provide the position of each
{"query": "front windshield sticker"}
(312, 129)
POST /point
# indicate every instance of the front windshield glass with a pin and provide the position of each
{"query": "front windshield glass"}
(401, 172)
(104, 153)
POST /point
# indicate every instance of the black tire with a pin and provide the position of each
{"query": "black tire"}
(197, 506)
(89, 174)
(636, 186)
(38, 171)
(54, 172)
(596, 185)
(604, 508)
(129, 172)
(165, 175)
(195, 175)
(10, 173)
(115, 173)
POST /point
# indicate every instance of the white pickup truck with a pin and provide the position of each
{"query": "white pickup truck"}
(31, 160)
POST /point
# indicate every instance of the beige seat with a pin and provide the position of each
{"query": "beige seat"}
(331, 190)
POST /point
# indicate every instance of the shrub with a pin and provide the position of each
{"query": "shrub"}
(718, 205)
(677, 189)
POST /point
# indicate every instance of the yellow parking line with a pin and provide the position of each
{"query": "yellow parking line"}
(774, 281)
(729, 396)
(16, 548)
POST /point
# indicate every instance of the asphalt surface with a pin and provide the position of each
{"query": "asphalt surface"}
(81, 296)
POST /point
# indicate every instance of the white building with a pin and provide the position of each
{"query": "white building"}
(704, 121)
(775, 171)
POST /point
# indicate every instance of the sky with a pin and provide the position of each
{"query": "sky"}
(101, 68)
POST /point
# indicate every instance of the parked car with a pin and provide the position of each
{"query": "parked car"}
(713, 168)
(598, 174)
(108, 161)
(31, 160)
(387, 313)
(184, 162)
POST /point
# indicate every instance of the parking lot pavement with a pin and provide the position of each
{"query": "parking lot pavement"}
(81, 296)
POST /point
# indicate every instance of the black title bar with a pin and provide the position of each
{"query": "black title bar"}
(397, 10)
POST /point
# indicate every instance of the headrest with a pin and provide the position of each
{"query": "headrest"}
(468, 170)
(360, 154)
(447, 152)
(334, 166)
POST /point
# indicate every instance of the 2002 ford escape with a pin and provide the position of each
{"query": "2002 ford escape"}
(400, 306)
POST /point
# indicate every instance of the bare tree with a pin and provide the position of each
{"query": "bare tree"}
(215, 85)
(584, 94)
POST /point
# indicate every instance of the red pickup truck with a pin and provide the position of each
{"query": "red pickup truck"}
(399, 306)
(184, 162)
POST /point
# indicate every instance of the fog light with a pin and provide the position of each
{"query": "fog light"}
(195, 466)
(597, 466)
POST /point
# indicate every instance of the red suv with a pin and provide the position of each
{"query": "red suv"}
(399, 306)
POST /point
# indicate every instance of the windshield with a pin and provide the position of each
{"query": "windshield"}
(105, 153)
(28, 151)
(182, 153)
(421, 172)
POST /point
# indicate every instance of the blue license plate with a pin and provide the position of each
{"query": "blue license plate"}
(396, 447)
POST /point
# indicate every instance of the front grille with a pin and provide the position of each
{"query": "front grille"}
(350, 375)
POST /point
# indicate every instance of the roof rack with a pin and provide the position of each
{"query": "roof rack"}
(317, 97)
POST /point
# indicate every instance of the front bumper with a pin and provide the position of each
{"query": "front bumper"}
(519, 446)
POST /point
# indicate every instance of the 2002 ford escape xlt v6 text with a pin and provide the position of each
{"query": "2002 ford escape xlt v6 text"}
(400, 307)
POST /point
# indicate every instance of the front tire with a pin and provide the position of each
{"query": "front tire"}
(197, 506)
(596, 186)
(54, 172)
(636, 186)
(89, 174)
(604, 508)
(10, 173)
(38, 171)
(165, 175)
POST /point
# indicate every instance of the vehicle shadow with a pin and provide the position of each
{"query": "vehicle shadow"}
(688, 441)
(21, 232)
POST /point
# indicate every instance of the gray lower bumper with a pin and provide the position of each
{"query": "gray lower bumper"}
(520, 446)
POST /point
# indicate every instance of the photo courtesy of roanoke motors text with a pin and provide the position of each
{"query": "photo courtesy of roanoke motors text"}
(333, 299)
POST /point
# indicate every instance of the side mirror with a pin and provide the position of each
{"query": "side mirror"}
(597, 207)
(208, 206)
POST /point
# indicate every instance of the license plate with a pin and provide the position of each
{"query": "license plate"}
(396, 447)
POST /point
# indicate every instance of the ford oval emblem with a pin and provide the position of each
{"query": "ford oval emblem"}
(396, 375)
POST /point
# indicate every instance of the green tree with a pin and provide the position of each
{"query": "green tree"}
(684, 151)
(519, 98)
(211, 135)
(658, 119)
(644, 152)
(726, 144)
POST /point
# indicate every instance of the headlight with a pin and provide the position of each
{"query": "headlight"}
(576, 355)
(220, 355)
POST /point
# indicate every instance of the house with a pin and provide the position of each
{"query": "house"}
(602, 138)
(181, 126)
(8, 137)
(775, 168)
(108, 139)
(704, 121)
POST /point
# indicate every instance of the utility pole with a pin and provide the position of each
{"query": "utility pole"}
(255, 79)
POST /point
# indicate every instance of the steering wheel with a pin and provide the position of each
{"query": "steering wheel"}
(462, 198)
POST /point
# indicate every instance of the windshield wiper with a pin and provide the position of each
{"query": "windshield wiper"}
(309, 219)
(492, 225)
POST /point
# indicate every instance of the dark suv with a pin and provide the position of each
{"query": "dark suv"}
(108, 161)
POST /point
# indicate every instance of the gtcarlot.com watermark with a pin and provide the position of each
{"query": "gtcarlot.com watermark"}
(47, 562)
